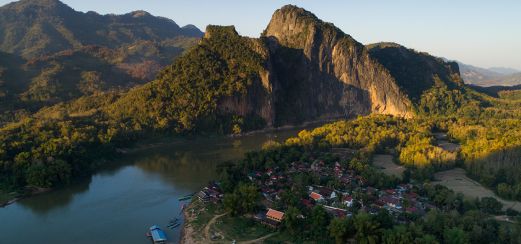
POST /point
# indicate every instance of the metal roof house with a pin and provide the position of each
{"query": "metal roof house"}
(157, 235)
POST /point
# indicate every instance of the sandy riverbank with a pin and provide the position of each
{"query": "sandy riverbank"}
(187, 232)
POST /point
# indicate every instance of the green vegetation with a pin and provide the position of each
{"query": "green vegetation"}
(240, 228)
(510, 95)
(454, 220)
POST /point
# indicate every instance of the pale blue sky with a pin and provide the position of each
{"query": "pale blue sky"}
(478, 32)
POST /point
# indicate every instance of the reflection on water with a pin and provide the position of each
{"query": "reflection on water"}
(117, 204)
(46, 202)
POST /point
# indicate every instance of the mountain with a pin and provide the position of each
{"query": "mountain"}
(490, 77)
(31, 28)
(300, 69)
(54, 54)
(504, 70)
(415, 72)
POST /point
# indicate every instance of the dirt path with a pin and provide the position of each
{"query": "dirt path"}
(258, 240)
(210, 223)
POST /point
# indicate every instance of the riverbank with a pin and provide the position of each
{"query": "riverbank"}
(7, 199)
(313, 123)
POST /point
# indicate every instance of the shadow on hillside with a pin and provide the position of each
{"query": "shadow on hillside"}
(305, 92)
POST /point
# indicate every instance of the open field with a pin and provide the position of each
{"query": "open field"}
(456, 180)
(385, 163)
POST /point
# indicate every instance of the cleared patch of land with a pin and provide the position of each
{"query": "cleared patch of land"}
(457, 180)
(385, 163)
(208, 223)
(448, 146)
(441, 140)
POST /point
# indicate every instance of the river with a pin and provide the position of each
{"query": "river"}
(117, 205)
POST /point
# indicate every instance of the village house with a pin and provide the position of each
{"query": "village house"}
(392, 203)
(316, 197)
(210, 193)
(347, 201)
(272, 218)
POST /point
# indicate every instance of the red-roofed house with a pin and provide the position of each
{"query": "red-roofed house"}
(317, 197)
(274, 215)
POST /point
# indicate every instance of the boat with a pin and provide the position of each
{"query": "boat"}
(174, 226)
(157, 235)
(184, 198)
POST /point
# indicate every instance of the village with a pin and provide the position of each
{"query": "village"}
(351, 194)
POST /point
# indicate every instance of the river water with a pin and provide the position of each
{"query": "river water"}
(117, 205)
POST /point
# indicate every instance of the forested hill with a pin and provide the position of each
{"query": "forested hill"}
(52, 53)
(32, 28)
(300, 69)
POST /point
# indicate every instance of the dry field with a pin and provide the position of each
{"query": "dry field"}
(456, 180)
(385, 163)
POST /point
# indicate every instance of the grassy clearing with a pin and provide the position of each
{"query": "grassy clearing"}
(385, 163)
(240, 228)
(203, 213)
(457, 180)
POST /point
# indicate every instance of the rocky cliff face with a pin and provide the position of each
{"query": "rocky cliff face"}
(323, 72)
(300, 69)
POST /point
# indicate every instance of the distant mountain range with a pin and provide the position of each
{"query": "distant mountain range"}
(31, 28)
(496, 76)
(50, 53)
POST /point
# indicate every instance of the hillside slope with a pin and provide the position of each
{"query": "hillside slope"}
(31, 28)
(54, 54)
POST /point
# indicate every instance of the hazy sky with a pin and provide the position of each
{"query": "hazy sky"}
(477, 32)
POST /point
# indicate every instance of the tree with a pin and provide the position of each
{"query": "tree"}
(319, 222)
(397, 235)
(242, 200)
(367, 230)
(248, 196)
(455, 236)
(291, 221)
(231, 201)
(490, 205)
(339, 229)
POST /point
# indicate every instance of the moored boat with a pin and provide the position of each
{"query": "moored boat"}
(189, 196)
(157, 235)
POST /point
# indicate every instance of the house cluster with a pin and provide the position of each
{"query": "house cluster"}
(355, 193)
(211, 193)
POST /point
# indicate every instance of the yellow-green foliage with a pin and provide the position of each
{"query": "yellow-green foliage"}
(411, 138)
